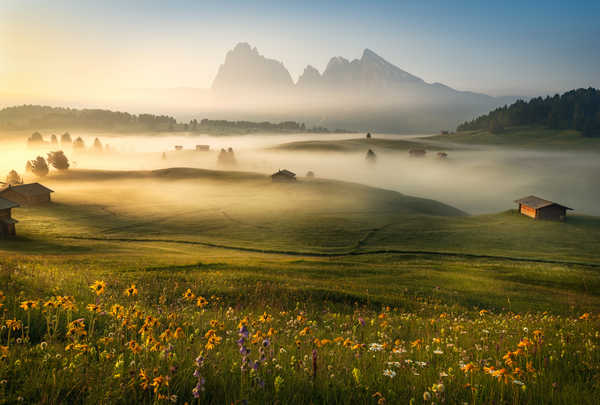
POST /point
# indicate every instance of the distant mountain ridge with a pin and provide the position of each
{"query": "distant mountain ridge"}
(370, 85)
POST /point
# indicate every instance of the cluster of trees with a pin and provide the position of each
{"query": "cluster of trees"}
(35, 116)
(207, 125)
(576, 109)
(226, 157)
(40, 167)
(36, 140)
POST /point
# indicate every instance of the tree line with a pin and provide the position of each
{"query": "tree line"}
(576, 109)
(35, 116)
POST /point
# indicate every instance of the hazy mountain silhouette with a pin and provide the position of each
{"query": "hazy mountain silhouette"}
(245, 70)
(369, 92)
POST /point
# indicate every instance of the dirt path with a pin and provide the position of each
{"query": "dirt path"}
(353, 252)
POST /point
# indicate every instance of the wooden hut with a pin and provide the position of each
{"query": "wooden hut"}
(538, 208)
(442, 155)
(417, 152)
(178, 147)
(7, 223)
(27, 194)
(283, 176)
(202, 148)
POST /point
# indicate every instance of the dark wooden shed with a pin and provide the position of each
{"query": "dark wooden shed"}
(27, 194)
(538, 208)
(417, 152)
(283, 176)
(7, 223)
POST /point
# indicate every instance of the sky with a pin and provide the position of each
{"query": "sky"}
(81, 47)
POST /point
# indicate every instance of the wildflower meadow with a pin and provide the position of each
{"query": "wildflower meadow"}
(117, 343)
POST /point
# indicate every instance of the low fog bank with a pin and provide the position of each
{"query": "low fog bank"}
(475, 181)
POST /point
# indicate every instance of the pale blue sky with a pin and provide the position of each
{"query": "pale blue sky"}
(512, 47)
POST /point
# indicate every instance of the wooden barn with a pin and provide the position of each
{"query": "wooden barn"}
(7, 223)
(538, 208)
(283, 176)
(27, 194)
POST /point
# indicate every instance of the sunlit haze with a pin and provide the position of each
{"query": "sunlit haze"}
(97, 53)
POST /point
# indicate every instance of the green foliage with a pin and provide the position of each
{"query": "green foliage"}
(577, 109)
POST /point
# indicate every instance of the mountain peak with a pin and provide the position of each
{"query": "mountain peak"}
(245, 69)
(367, 53)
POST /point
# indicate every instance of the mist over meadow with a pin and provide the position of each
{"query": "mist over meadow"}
(475, 179)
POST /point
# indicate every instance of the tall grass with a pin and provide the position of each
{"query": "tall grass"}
(139, 340)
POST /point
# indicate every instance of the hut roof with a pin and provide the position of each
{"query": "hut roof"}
(30, 190)
(284, 172)
(537, 202)
(6, 204)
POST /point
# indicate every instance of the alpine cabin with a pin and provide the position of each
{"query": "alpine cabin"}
(417, 152)
(538, 208)
(27, 194)
(7, 223)
(283, 176)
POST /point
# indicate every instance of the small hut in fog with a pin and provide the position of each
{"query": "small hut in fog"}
(283, 176)
(371, 156)
(310, 174)
(538, 208)
(178, 147)
(26, 194)
(417, 152)
(202, 148)
(442, 155)
(7, 223)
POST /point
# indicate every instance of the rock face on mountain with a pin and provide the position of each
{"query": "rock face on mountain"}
(246, 71)
(366, 93)
(309, 79)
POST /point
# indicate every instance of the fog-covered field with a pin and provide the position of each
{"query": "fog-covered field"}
(474, 179)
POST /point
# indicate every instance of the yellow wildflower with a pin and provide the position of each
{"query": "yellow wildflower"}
(98, 287)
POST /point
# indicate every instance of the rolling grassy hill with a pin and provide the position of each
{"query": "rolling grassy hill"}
(526, 137)
(354, 145)
(318, 238)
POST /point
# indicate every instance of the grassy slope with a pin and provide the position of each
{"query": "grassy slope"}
(353, 145)
(524, 137)
(153, 239)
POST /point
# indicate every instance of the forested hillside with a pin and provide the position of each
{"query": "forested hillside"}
(576, 109)
(35, 117)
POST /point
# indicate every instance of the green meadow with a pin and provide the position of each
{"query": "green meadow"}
(196, 286)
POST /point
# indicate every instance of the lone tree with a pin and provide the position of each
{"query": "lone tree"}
(58, 160)
(65, 139)
(13, 178)
(38, 167)
(78, 143)
(35, 139)
(371, 156)
(97, 145)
